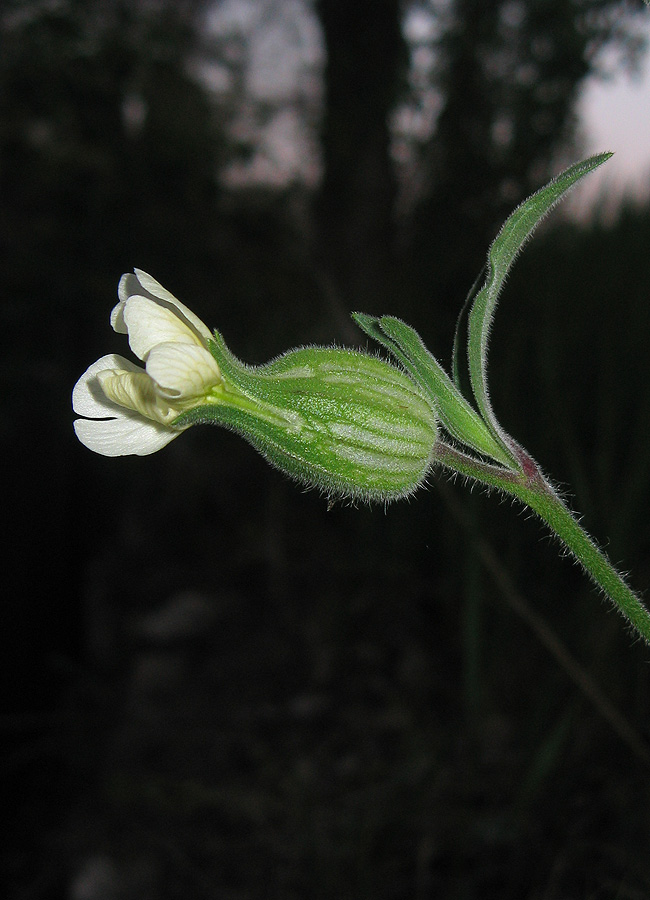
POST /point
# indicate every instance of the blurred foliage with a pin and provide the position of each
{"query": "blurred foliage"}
(509, 76)
(353, 711)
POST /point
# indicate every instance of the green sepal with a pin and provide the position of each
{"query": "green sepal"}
(458, 417)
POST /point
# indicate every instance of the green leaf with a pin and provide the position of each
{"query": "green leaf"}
(512, 237)
(457, 416)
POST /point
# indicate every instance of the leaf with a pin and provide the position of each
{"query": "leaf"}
(513, 235)
(456, 414)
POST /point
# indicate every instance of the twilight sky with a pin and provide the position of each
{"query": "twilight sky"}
(284, 57)
(615, 116)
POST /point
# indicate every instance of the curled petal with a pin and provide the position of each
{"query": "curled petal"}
(181, 371)
(88, 398)
(143, 285)
(136, 392)
(149, 323)
(110, 428)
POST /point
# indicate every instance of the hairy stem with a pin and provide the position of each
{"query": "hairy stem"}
(531, 488)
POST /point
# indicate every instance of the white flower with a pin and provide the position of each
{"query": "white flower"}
(128, 409)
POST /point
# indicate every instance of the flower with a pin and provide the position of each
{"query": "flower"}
(348, 423)
(128, 409)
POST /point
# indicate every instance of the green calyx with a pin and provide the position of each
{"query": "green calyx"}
(348, 423)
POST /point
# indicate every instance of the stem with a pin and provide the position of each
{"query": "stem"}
(531, 488)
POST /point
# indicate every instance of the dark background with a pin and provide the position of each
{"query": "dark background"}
(215, 686)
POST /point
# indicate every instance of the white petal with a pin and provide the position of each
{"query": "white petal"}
(123, 292)
(154, 288)
(128, 286)
(88, 399)
(149, 324)
(143, 285)
(136, 392)
(127, 435)
(182, 371)
(157, 290)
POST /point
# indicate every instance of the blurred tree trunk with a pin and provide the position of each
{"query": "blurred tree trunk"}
(366, 60)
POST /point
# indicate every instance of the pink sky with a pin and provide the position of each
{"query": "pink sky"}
(615, 116)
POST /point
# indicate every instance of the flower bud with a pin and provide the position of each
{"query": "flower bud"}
(348, 423)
